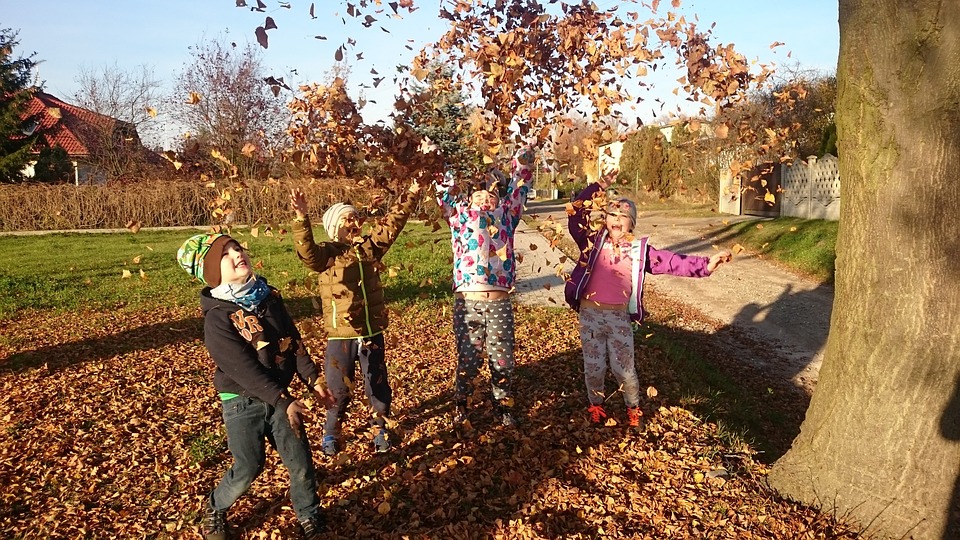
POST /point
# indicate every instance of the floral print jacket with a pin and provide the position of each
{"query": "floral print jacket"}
(483, 255)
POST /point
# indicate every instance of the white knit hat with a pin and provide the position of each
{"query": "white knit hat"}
(332, 217)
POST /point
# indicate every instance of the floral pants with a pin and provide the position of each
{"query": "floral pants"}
(608, 334)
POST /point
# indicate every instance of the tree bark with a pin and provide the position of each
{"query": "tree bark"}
(880, 439)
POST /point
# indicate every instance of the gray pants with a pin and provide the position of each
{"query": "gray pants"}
(608, 334)
(483, 326)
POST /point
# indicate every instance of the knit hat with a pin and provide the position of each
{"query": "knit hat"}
(331, 218)
(200, 256)
(624, 206)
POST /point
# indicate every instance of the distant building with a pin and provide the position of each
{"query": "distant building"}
(83, 134)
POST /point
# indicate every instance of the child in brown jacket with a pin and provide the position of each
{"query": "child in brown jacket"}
(353, 303)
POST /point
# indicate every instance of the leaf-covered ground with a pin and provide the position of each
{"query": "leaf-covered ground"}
(111, 429)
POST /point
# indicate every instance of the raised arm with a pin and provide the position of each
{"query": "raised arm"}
(386, 231)
(447, 196)
(521, 178)
(315, 256)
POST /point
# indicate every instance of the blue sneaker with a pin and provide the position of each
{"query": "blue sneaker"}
(329, 445)
(381, 443)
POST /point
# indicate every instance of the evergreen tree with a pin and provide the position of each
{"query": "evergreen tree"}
(53, 165)
(439, 111)
(17, 134)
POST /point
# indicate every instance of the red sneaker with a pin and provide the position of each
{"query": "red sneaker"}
(596, 413)
(633, 416)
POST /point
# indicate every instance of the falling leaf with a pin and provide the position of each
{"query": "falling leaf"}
(152, 112)
(262, 344)
(134, 226)
(261, 34)
(193, 98)
(652, 392)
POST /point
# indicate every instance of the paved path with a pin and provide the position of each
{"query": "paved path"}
(781, 311)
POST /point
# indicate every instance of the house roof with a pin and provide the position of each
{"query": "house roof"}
(73, 128)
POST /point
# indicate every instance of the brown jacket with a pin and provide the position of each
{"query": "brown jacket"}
(351, 294)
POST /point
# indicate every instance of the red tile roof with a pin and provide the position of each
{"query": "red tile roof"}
(74, 128)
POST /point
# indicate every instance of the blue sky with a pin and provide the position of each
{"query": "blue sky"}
(68, 35)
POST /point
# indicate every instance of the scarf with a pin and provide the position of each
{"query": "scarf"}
(248, 296)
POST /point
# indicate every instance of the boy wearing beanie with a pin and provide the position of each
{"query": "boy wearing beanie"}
(353, 304)
(258, 351)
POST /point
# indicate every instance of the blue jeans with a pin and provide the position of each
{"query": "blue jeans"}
(250, 422)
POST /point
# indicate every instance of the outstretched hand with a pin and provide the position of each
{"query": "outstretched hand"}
(608, 177)
(298, 202)
(718, 259)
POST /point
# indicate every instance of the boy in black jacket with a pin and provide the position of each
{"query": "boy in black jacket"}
(257, 350)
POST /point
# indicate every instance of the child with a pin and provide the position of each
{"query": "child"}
(257, 350)
(354, 308)
(484, 270)
(606, 288)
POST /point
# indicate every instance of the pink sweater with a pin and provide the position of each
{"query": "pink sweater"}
(609, 282)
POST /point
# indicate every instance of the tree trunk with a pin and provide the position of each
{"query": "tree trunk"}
(880, 439)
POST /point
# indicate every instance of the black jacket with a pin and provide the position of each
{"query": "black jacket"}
(257, 353)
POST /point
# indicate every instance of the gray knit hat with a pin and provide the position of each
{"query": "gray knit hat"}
(624, 206)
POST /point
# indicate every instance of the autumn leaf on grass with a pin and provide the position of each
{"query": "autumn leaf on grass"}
(143, 275)
(126, 274)
(793, 229)
(737, 249)
(652, 392)
(255, 232)
(136, 260)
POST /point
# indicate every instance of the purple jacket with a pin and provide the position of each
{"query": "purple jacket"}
(645, 257)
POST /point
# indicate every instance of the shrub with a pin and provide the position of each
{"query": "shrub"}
(29, 207)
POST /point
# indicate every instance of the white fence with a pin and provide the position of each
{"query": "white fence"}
(811, 190)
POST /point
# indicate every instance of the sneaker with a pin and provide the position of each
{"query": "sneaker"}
(313, 527)
(215, 524)
(507, 419)
(381, 443)
(633, 416)
(329, 445)
(597, 414)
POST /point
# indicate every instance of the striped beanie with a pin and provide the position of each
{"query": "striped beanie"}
(200, 256)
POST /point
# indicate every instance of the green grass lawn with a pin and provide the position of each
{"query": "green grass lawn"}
(807, 246)
(72, 271)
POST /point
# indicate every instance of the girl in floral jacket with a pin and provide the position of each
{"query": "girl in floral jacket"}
(606, 289)
(482, 226)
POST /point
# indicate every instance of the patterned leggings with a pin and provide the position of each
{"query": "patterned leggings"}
(483, 325)
(603, 333)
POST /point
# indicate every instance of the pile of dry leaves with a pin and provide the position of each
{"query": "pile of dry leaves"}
(111, 429)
